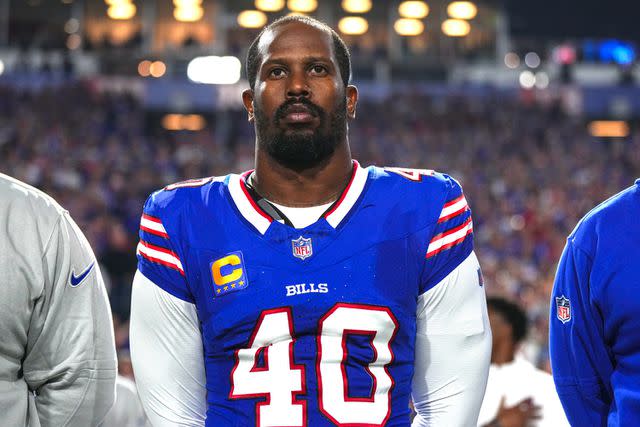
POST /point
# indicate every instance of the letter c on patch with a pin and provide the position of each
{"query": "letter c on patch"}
(216, 270)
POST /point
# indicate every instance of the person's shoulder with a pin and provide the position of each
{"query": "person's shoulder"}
(18, 196)
(613, 217)
(173, 197)
(423, 189)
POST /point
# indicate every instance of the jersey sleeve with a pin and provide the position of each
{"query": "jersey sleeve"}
(158, 252)
(71, 359)
(451, 240)
(577, 349)
(453, 349)
(167, 356)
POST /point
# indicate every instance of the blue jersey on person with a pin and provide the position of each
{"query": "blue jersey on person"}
(595, 316)
(312, 326)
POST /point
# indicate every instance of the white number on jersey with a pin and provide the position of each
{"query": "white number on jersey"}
(412, 174)
(279, 380)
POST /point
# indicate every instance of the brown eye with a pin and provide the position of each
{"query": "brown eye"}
(319, 70)
(277, 73)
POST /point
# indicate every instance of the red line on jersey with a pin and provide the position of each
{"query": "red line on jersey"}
(163, 262)
(464, 208)
(451, 231)
(345, 381)
(346, 190)
(156, 232)
(151, 218)
(248, 196)
(454, 201)
(449, 245)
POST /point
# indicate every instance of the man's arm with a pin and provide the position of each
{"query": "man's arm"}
(167, 356)
(71, 359)
(453, 349)
(577, 349)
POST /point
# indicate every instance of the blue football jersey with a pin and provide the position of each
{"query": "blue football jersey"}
(595, 316)
(313, 326)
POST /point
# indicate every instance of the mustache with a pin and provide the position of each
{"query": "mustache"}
(283, 110)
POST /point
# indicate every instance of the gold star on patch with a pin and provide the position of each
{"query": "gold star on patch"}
(218, 290)
(233, 285)
(241, 282)
(226, 288)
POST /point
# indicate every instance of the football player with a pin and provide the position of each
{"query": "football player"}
(310, 291)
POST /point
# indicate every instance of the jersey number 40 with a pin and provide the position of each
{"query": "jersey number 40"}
(280, 380)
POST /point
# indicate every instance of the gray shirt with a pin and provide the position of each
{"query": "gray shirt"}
(57, 352)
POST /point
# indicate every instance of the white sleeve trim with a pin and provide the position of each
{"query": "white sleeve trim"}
(453, 349)
(167, 356)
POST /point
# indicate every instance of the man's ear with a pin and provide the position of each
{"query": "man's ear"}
(247, 100)
(352, 101)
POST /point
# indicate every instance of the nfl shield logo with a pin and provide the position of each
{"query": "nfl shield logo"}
(563, 309)
(302, 248)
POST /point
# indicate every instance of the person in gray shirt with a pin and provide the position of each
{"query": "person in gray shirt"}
(57, 350)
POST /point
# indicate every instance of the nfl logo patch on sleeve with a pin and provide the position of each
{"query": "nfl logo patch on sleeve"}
(563, 309)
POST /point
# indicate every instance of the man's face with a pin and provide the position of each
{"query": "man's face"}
(299, 102)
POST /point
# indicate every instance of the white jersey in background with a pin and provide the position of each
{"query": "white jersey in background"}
(57, 350)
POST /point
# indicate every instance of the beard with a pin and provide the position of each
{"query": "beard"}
(301, 147)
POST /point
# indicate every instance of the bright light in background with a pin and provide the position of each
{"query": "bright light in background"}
(144, 68)
(532, 60)
(157, 69)
(462, 10)
(456, 27)
(353, 25)
(304, 6)
(512, 60)
(215, 70)
(609, 128)
(564, 54)
(74, 41)
(1, 67)
(187, 3)
(188, 14)
(252, 19)
(356, 6)
(408, 27)
(192, 122)
(269, 5)
(527, 79)
(121, 11)
(413, 9)
(71, 26)
(542, 80)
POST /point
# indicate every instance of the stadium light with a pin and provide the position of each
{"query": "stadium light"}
(74, 41)
(144, 68)
(462, 10)
(456, 27)
(413, 9)
(157, 69)
(532, 60)
(527, 79)
(269, 5)
(217, 70)
(356, 6)
(252, 19)
(542, 80)
(304, 6)
(175, 122)
(1, 67)
(609, 128)
(353, 25)
(188, 13)
(71, 26)
(121, 11)
(512, 60)
(408, 27)
(187, 3)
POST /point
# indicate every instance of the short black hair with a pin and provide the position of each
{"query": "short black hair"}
(340, 49)
(513, 314)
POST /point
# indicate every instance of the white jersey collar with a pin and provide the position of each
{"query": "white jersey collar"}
(261, 220)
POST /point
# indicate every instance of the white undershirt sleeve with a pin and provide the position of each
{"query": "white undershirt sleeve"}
(167, 356)
(453, 350)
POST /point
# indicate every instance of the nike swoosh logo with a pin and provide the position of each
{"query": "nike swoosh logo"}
(76, 280)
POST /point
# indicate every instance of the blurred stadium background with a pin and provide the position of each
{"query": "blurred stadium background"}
(532, 105)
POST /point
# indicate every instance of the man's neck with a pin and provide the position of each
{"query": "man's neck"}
(502, 353)
(309, 187)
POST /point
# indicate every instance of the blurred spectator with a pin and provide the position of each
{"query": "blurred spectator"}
(518, 394)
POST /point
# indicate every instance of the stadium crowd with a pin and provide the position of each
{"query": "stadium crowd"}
(529, 171)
